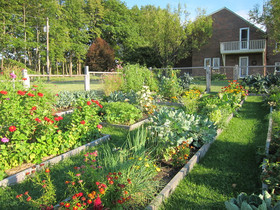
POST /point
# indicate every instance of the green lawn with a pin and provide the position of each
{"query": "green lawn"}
(231, 165)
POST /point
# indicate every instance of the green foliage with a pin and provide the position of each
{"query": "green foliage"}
(30, 130)
(268, 16)
(261, 84)
(136, 76)
(244, 201)
(66, 99)
(121, 113)
(112, 83)
(100, 56)
(170, 128)
(130, 97)
(169, 86)
(186, 81)
(218, 76)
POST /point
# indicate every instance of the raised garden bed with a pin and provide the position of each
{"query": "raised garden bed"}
(172, 184)
(20, 176)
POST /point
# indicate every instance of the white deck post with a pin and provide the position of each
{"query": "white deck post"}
(87, 79)
(26, 82)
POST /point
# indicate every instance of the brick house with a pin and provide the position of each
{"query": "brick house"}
(235, 41)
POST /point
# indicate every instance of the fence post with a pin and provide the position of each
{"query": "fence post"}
(208, 79)
(235, 72)
(26, 79)
(87, 79)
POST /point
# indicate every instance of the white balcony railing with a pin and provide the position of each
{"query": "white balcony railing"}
(242, 46)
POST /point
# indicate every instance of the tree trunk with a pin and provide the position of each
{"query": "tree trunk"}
(63, 68)
(24, 34)
(70, 65)
(56, 68)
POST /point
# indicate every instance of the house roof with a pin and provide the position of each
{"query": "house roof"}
(225, 8)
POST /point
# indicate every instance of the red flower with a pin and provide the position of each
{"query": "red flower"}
(47, 170)
(35, 85)
(40, 94)
(12, 128)
(30, 94)
(34, 108)
(89, 201)
(26, 193)
(61, 204)
(97, 204)
(83, 122)
(3, 92)
(56, 118)
(24, 78)
(28, 199)
(88, 103)
(67, 205)
(99, 126)
(22, 93)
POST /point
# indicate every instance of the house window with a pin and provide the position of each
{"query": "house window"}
(216, 63)
(244, 38)
(277, 66)
(207, 61)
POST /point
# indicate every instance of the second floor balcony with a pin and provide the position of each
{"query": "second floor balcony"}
(251, 46)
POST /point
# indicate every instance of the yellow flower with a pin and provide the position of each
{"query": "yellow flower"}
(147, 165)
(157, 169)
(131, 158)
(140, 158)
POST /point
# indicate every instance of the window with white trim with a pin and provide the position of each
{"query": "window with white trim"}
(216, 63)
(207, 61)
(277, 66)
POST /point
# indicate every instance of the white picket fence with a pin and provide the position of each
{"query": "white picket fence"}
(86, 75)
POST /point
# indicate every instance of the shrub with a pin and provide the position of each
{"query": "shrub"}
(112, 83)
(136, 76)
(261, 84)
(100, 56)
(121, 113)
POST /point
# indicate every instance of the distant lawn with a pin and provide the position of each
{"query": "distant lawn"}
(216, 85)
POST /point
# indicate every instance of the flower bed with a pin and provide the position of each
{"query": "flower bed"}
(30, 131)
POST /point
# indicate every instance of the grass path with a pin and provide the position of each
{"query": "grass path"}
(230, 166)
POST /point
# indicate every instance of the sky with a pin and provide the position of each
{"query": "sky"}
(241, 7)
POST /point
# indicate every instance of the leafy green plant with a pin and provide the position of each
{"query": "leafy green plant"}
(244, 201)
(66, 99)
(121, 113)
(261, 84)
(186, 81)
(120, 96)
(169, 86)
(169, 128)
